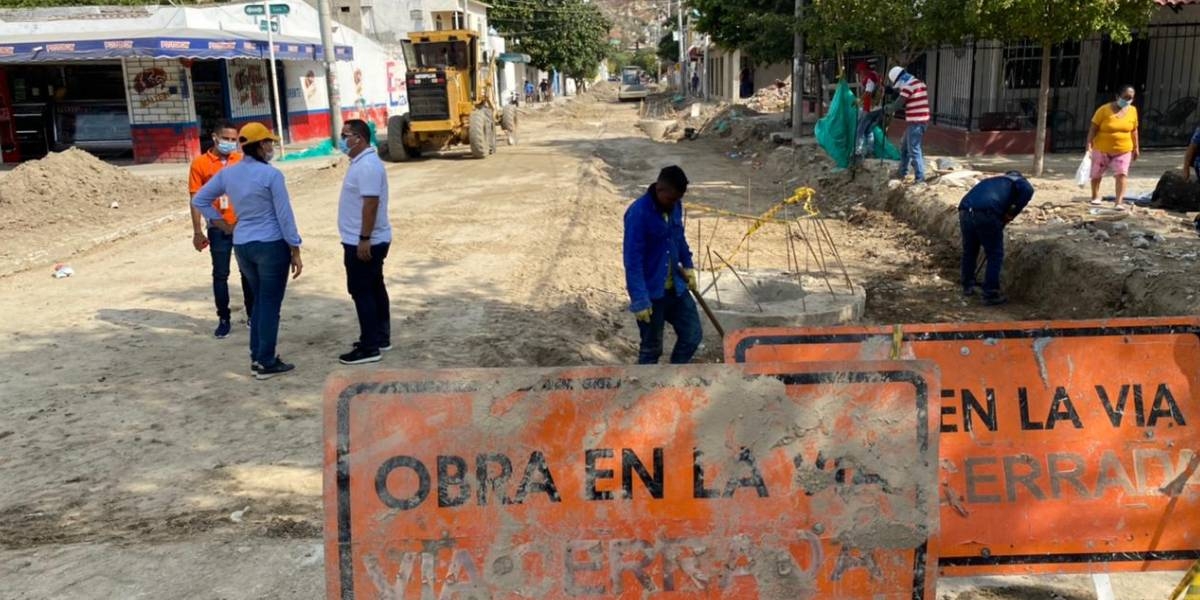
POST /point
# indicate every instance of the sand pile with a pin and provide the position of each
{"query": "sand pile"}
(75, 187)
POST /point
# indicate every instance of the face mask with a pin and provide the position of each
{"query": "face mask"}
(226, 148)
(1123, 102)
(270, 155)
(343, 146)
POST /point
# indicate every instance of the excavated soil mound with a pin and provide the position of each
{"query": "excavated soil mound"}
(74, 187)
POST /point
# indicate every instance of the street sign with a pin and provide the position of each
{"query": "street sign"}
(280, 9)
(1066, 446)
(255, 10)
(704, 481)
(262, 26)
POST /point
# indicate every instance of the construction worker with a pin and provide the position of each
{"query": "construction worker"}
(223, 153)
(914, 99)
(659, 269)
(982, 215)
(366, 236)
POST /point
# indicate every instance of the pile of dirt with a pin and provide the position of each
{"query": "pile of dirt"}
(774, 98)
(74, 187)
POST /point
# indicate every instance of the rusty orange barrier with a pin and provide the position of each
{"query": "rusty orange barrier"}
(1066, 446)
(715, 481)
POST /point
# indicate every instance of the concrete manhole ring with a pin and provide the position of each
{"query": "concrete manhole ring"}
(777, 299)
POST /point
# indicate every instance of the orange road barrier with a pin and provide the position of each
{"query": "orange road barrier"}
(1066, 446)
(707, 481)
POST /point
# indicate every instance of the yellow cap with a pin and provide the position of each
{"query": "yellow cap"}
(255, 132)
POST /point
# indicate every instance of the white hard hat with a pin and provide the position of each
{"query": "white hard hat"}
(894, 73)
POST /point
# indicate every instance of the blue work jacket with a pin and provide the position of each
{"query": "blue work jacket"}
(654, 245)
(998, 196)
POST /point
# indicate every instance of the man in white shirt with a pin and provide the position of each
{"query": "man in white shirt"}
(366, 236)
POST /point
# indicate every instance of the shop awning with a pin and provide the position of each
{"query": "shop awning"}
(174, 43)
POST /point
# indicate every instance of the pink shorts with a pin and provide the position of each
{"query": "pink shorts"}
(1117, 163)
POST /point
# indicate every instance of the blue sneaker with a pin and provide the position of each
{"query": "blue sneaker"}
(222, 331)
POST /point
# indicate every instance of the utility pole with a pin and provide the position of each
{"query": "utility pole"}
(325, 14)
(798, 76)
(682, 54)
(274, 77)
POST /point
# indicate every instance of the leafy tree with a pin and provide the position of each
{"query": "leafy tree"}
(898, 29)
(1050, 22)
(762, 28)
(568, 35)
(668, 48)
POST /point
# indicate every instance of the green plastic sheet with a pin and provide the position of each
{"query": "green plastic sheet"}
(836, 131)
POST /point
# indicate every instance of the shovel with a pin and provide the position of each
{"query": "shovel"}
(704, 305)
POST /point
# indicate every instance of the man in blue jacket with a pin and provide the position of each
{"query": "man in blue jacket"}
(659, 270)
(982, 214)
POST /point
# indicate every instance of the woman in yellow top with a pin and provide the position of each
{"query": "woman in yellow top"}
(1113, 143)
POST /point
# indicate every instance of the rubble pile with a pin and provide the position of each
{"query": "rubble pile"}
(774, 98)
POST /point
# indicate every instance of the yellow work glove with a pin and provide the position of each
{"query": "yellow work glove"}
(692, 283)
(644, 315)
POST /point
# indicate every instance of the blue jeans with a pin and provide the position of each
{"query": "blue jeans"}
(220, 245)
(986, 230)
(265, 266)
(680, 312)
(364, 281)
(910, 151)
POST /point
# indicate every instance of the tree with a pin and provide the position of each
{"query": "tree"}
(668, 48)
(762, 28)
(1050, 22)
(899, 29)
(568, 35)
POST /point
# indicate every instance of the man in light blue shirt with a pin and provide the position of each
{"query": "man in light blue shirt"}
(366, 236)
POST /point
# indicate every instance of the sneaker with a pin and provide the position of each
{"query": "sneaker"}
(968, 292)
(254, 367)
(384, 347)
(994, 299)
(278, 368)
(358, 356)
(222, 331)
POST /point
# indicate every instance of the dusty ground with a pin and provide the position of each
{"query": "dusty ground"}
(129, 436)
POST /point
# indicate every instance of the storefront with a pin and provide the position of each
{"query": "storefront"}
(151, 88)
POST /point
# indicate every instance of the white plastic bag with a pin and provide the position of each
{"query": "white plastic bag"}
(1083, 175)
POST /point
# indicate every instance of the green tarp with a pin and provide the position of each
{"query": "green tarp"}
(836, 131)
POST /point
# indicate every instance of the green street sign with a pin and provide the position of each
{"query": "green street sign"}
(255, 10)
(262, 26)
(280, 9)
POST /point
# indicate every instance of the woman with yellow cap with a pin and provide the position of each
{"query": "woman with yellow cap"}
(265, 238)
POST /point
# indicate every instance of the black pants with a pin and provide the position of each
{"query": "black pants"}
(986, 231)
(364, 281)
(220, 246)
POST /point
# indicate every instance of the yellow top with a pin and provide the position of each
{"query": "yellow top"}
(1116, 129)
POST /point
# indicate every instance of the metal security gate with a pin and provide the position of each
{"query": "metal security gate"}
(993, 86)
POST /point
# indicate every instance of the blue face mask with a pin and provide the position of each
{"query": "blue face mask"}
(1123, 102)
(226, 148)
(343, 146)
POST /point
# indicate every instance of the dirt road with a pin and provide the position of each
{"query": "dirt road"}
(130, 437)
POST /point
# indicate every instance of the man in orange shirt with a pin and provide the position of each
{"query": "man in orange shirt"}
(220, 244)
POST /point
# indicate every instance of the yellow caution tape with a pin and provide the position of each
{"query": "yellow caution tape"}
(804, 197)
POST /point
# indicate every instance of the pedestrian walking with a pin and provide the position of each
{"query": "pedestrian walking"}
(659, 270)
(223, 153)
(1113, 143)
(982, 215)
(366, 236)
(914, 99)
(544, 91)
(266, 240)
(528, 92)
(695, 83)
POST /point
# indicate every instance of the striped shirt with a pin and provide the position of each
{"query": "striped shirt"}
(916, 101)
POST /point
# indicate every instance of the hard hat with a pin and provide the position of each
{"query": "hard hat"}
(894, 73)
(255, 132)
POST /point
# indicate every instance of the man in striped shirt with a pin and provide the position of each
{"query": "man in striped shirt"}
(914, 99)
